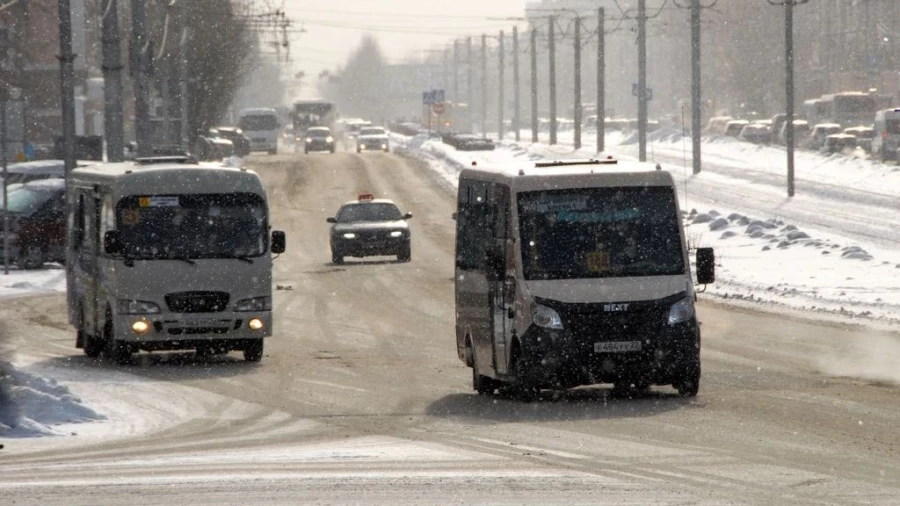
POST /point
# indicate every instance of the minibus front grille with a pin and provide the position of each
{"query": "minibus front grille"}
(197, 302)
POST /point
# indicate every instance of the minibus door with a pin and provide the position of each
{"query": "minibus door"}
(501, 288)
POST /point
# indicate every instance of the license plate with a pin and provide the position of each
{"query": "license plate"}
(617, 346)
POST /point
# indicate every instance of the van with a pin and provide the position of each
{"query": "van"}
(163, 254)
(575, 273)
(886, 141)
(262, 127)
(37, 223)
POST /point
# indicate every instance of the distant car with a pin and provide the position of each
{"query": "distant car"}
(838, 143)
(469, 142)
(318, 139)
(801, 132)
(287, 134)
(372, 139)
(864, 136)
(733, 128)
(886, 141)
(209, 148)
(37, 212)
(239, 141)
(777, 122)
(757, 133)
(352, 127)
(819, 133)
(717, 124)
(369, 227)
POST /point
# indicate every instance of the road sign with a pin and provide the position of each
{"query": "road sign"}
(438, 95)
(438, 108)
(427, 97)
(648, 92)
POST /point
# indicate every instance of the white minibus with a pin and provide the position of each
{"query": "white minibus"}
(575, 273)
(262, 127)
(163, 254)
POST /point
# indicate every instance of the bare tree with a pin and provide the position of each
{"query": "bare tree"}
(359, 87)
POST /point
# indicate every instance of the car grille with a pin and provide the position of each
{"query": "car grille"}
(197, 302)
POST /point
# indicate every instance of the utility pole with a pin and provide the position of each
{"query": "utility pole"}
(696, 95)
(601, 81)
(789, 84)
(140, 50)
(484, 94)
(455, 71)
(550, 37)
(184, 103)
(469, 71)
(502, 85)
(113, 119)
(534, 87)
(516, 91)
(642, 80)
(577, 83)
(67, 81)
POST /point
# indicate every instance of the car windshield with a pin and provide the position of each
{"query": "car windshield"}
(351, 213)
(318, 133)
(25, 200)
(600, 232)
(372, 131)
(192, 226)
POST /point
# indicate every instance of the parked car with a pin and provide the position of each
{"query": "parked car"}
(716, 125)
(239, 141)
(863, 136)
(734, 127)
(801, 132)
(210, 149)
(838, 143)
(37, 223)
(819, 133)
(757, 133)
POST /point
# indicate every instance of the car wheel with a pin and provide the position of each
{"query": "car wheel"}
(358, 150)
(305, 151)
(688, 385)
(405, 254)
(253, 351)
(336, 257)
(30, 257)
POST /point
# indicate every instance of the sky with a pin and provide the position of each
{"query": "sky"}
(832, 252)
(404, 28)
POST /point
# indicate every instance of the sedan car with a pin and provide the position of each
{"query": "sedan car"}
(240, 141)
(318, 139)
(369, 227)
(372, 139)
(37, 223)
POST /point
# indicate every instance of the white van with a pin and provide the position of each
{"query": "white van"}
(886, 141)
(262, 127)
(168, 255)
(575, 273)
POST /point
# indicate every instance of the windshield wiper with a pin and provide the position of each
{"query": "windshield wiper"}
(244, 258)
(184, 259)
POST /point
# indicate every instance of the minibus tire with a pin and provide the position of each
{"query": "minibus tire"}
(253, 350)
(689, 384)
(119, 352)
(93, 347)
(522, 388)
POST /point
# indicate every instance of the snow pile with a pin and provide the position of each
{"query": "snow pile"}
(52, 278)
(33, 406)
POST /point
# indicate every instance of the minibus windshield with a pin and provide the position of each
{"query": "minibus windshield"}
(192, 226)
(599, 233)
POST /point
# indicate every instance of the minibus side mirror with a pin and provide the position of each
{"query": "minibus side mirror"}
(331, 219)
(279, 241)
(706, 266)
(407, 216)
(111, 244)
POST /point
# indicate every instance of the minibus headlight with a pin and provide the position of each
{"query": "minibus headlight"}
(140, 327)
(309, 139)
(255, 324)
(329, 139)
(384, 146)
(131, 306)
(254, 304)
(543, 316)
(681, 311)
(397, 233)
(349, 235)
(362, 146)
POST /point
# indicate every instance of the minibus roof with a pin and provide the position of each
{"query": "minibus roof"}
(562, 174)
(169, 177)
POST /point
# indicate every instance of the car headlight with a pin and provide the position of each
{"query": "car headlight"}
(349, 235)
(397, 233)
(543, 316)
(309, 139)
(329, 139)
(254, 304)
(384, 146)
(362, 146)
(131, 306)
(681, 311)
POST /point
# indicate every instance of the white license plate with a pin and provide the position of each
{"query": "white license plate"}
(617, 346)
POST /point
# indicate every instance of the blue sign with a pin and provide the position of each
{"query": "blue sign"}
(427, 97)
(438, 96)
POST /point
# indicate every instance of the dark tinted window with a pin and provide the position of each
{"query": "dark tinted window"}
(368, 212)
(255, 123)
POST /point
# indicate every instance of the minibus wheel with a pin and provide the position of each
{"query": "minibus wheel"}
(119, 352)
(522, 389)
(253, 351)
(688, 385)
